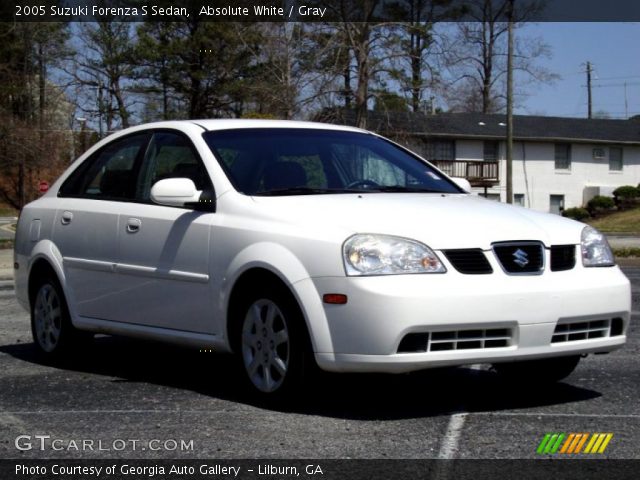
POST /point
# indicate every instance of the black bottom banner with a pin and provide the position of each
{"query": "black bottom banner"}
(547, 469)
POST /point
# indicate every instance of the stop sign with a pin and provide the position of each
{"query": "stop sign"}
(43, 186)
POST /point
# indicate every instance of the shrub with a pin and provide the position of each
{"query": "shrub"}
(576, 213)
(626, 196)
(626, 191)
(599, 204)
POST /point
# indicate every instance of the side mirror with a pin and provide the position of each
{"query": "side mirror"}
(463, 183)
(175, 192)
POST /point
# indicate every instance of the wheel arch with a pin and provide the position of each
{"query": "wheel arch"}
(246, 282)
(47, 259)
(250, 265)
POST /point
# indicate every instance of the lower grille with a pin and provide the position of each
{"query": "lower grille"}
(456, 340)
(568, 331)
(471, 261)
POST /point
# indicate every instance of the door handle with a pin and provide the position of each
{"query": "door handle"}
(66, 218)
(133, 225)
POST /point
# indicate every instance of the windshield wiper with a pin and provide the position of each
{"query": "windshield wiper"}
(305, 191)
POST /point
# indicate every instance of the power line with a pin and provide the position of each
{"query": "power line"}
(619, 78)
(614, 85)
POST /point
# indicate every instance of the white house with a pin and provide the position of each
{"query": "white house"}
(557, 162)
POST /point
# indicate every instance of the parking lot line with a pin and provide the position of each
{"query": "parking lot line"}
(547, 414)
(449, 445)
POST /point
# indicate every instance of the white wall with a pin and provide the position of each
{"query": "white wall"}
(537, 178)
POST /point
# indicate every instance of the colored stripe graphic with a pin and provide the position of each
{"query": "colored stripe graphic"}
(550, 443)
(593, 439)
(582, 442)
(606, 441)
(555, 447)
(572, 443)
(567, 443)
(543, 443)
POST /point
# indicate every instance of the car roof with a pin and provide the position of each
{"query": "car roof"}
(223, 124)
(233, 123)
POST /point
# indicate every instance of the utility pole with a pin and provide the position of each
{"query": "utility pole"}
(510, 106)
(626, 103)
(589, 69)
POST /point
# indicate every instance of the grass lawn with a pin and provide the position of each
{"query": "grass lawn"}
(8, 212)
(619, 222)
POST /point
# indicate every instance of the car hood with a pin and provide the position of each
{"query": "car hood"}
(442, 221)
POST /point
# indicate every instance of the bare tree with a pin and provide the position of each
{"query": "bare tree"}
(288, 76)
(102, 72)
(421, 49)
(369, 35)
(477, 57)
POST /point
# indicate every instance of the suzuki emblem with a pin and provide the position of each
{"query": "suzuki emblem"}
(521, 258)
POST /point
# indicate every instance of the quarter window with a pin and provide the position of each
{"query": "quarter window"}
(562, 156)
(615, 159)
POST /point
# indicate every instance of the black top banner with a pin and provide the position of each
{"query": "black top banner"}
(319, 10)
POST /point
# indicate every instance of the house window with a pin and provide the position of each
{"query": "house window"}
(556, 204)
(563, 156)
(441, 150)
(490, 153)
(518, 199)
(615, 159)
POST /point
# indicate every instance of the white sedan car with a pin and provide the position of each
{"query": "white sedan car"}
(298, 244)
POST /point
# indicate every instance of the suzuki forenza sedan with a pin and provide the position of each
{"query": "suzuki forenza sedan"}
(293, 244)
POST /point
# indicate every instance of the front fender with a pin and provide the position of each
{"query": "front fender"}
(283, 263)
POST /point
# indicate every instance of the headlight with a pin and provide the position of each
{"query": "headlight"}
(368, 254)
(595, 249)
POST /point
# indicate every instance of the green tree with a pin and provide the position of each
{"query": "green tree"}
(32, 108)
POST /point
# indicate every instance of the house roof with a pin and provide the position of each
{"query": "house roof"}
(493, 126)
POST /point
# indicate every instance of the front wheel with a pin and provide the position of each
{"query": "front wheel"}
(273, 345)
(546, 370)
(51, 327)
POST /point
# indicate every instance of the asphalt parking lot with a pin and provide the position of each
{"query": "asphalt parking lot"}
(126, 390)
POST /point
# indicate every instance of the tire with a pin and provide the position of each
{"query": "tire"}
(53, 333)
(547, 370)
(271, 343)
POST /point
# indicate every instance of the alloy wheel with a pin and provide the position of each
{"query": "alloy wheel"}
(47, 311)
(265, 345)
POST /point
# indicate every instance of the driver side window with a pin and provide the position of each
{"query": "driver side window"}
(170, 155)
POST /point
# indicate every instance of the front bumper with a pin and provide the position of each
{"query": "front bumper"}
(366, 333)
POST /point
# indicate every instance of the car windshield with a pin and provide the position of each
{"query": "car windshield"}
(289, 161)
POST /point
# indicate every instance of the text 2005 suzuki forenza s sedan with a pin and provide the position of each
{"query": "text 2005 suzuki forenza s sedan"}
(291, 242)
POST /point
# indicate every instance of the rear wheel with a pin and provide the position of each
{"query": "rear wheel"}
(272, 344)
(51, 327)
(546, 370)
